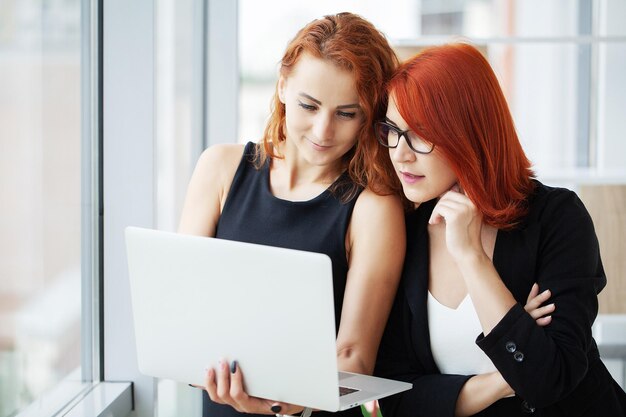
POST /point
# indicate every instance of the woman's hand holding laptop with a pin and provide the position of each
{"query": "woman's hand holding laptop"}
(225, 386)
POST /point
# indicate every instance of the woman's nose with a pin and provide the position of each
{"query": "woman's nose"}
(402, 152)
(323, 126)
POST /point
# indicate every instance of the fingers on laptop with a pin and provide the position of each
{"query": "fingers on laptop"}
(214, 382)
(225, 386)
(242, 402)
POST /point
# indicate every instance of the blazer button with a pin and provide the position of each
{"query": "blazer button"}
(518, 356)
(510, 347)
(527, 408)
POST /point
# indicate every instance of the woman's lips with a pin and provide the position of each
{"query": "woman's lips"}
(410, 178)
(318, 147)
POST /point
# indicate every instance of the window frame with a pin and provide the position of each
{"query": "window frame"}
(84, 391)
(129, 146)
(119, 182)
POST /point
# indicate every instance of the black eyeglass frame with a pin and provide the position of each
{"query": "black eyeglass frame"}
(401, 133)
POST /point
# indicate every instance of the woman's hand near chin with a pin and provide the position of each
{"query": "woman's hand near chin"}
(463, 223)
(456, 217)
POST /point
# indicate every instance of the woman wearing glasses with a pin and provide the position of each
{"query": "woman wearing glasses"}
(317, 181)
(483, 235)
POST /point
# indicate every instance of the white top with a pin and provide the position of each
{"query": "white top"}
(453, 338)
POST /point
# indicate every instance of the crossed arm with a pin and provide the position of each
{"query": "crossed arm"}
(480, 391)
(565, 260)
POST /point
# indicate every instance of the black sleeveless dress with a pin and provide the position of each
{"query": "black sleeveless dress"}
(253, 214)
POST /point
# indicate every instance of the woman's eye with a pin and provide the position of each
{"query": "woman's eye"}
(307, 107)
(346, 115)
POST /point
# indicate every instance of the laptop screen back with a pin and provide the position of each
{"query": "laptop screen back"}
(197, 300)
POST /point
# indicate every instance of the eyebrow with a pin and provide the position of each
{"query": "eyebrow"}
(343, 106)
(388, 120)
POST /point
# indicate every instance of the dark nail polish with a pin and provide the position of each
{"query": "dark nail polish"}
(233, 367)
(275, 409)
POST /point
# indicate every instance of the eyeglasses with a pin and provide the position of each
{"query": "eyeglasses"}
(389, 136)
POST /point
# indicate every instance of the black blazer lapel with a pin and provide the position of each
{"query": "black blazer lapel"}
(415, 282)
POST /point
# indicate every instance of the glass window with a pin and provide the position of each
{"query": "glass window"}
(553, 70)
(178, 98)
(40, 183)
(179, 140)
(543, 102)
(611, 102)
(610, 17)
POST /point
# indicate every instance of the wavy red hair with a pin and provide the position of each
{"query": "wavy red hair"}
(354, 44)
(451, 97)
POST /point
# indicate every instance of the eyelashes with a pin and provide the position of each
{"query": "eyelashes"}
(307, 107)
(341, 114)
(346, 115)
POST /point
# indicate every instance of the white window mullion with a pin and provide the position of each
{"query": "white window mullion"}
(128, 176)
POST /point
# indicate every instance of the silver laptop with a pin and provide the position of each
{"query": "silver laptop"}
(197, 300)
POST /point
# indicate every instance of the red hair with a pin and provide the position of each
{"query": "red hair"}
(354, 44)
(450, 96)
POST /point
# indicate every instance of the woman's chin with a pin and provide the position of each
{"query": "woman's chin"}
(417, 196)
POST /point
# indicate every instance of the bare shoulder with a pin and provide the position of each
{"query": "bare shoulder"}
(376, 216)
(220, 160)
(217, 166)
(207, 190)
(372, 205)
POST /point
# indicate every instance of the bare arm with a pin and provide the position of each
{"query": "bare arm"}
(208, 189)
(463, 224)
(376, 243)
(479, 392)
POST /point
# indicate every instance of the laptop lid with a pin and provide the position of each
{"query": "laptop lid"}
(196, 300)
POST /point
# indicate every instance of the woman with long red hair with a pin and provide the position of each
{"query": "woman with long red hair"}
(317, 181)
(499, 290)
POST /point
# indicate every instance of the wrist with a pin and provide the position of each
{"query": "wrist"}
(504, 389)
(472, 259)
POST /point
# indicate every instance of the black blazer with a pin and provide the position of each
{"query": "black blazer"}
(554, 370)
